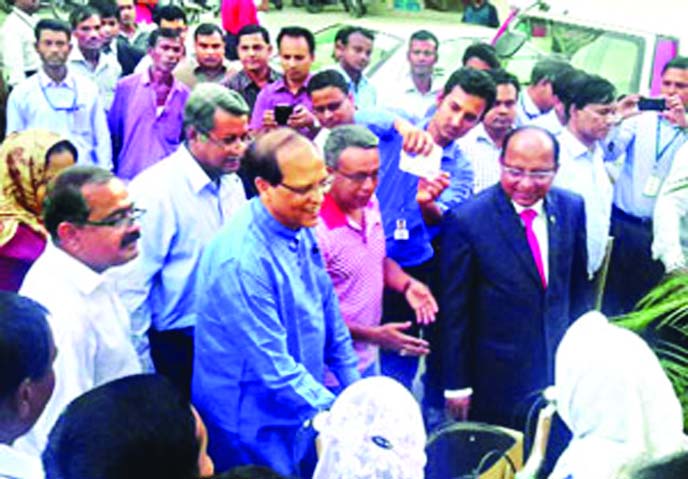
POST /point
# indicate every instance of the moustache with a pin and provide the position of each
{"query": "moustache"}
(130, 238)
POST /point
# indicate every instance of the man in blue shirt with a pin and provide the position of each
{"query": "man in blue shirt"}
(268, 319)
(352, 49)
(188, 196)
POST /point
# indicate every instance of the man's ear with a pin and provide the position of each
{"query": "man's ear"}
(66, 233)
(22, 399)
(261, 184)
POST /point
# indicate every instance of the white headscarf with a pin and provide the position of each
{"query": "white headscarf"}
(614, 396)
(373, 431)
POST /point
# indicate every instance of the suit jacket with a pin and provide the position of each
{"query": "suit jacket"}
(500, 327)
(128, 56)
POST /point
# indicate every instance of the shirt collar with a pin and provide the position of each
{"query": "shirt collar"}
(529, 107)
(281, 85)
(146, 80)
(46, 82)
(244, 80)
(538, 207)
(192, 171)
(331, 214)
(409, 86)
(266, 221)
(574, 146)
(29, 19)
(84, 278)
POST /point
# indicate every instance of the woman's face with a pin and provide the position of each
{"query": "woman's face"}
(56, 162)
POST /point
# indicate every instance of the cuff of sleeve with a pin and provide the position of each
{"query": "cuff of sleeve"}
(458, 393)
(348, 376)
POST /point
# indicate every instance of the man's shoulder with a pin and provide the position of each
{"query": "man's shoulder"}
(130, 81)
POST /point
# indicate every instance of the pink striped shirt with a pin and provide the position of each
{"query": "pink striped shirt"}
(354, 256)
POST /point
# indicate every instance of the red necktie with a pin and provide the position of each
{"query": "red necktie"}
(528, 216)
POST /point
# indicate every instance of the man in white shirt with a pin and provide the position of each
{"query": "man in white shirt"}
(91, 221)
(19, 57)
(352, 49)
(60, 100)
(537, 100)
(483, 144)
(416, 91)
(88, 59)
(591, 109)
(188, 196)
(27, 380)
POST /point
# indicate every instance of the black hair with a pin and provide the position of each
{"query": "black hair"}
(208, 29)
(680, 63)
(547, 69)
(250, 472)
(502, 77)
(483, 51)
(105, 8)
(670, 467)
(343, 34)
(64, 200)
(52, 25)
(251, 29)
(327, 78)
(169, 33)
(61, 147)
(261, 156)
(296, 32)
(169, 13)
(473, 82)
(82, 13)
(24, 341)
(136, 427)
(523, 129)
(590, 89)
(424, 35)
(566, 82)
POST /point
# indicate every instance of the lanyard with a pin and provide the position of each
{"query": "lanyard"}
(523, 107)
(658, 137)
(74, 106)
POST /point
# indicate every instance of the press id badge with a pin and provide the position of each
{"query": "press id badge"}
(401, 233)
(652, 186)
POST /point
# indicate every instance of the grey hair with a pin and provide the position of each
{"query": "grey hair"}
(204, 99)
(347, 136)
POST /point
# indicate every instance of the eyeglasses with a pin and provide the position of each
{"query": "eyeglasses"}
(331, 107)
(537, 175)
(603, 111)
(360, 177)
(117, 220)
(229, 140)
(322, 187)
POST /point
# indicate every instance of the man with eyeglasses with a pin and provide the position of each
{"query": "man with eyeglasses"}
(60, 100)
(147, 113)
(92, 225)
(513, 267)
(591, 110)
(189, 196)
(268, 321)
(352, 240)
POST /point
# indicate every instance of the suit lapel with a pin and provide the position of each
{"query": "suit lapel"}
(554, 235)
(511, 228)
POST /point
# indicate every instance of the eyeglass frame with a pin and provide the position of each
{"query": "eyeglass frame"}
(360, 177)
(223, 143)
(322, 187)
(127, 217)
(520, 174)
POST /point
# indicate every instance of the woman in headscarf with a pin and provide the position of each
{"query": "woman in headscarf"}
(614, 396)
(28, 161)
(373, 431)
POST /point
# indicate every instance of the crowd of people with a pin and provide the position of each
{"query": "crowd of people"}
(215, 264)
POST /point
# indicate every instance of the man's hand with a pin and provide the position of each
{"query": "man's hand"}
(676, 111)
(627, 106)
(421, 301)
(458, 407)
(390, 336)
(269, 122)
(417, 142)
(429, 189)
(301, 117)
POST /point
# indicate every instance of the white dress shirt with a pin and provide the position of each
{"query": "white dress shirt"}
(105, 74)
(71, 108)
(582, 171)
(18, 51)
(483, 153)
(527, 113)
(184, 210)
(15, 464)
(670, 224)
(91, 331)
(404, 97)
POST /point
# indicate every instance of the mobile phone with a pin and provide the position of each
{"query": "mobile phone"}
(652, 104)
(282, 113)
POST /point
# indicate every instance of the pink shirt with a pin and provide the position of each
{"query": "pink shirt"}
(354, 256)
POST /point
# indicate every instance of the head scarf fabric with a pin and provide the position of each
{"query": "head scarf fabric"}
(373, 431)
(22, 174)
(616, 399)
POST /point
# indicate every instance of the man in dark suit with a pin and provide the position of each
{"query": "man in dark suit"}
(514, 274)
(128, 56)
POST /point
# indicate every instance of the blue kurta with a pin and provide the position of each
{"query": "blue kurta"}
(268, 322)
